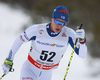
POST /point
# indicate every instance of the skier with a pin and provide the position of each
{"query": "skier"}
(48, 45)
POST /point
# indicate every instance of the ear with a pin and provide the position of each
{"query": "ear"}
(51, 19)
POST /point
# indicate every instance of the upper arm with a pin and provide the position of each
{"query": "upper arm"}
(72, 37)
(29, 33)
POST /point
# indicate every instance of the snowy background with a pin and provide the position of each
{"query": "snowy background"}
(11, 22)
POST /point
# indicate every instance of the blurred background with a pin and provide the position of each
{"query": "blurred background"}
(17, 15)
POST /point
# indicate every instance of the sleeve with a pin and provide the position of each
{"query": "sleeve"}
(81, 48)
(27, 35)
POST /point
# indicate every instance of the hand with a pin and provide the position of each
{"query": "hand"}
(80, 33)
(7, 66)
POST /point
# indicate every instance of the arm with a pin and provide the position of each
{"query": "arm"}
(16, 45)
(27, 35)
(81, 48)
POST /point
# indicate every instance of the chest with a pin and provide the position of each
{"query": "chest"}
(45, 42)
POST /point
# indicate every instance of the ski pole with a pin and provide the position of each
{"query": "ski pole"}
(72, 55)
(11, 70)
(2, 76)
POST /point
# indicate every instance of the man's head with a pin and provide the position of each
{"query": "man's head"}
(61, 12)
(60, 18)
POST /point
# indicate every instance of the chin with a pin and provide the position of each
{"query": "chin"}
(57, 31)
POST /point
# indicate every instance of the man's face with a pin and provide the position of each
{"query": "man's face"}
(56, 27)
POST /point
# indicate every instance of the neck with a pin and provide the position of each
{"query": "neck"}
(51, 28)
(50, 32)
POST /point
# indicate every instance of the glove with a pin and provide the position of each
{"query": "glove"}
(80, 33)
(7, 66)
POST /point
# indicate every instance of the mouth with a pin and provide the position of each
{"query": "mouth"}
(57, 29)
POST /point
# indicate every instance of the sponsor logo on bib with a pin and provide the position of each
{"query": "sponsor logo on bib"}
(49, 44)
(41, 31)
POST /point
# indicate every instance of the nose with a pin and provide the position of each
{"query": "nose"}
(59, 26)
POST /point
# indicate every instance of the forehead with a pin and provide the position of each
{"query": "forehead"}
(60, 20)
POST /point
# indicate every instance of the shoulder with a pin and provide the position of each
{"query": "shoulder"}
(34, 27)
(31, 28)
(71, 32)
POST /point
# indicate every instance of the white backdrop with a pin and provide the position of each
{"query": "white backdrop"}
(11, 21)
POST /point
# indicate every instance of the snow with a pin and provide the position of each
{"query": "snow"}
(11, 21)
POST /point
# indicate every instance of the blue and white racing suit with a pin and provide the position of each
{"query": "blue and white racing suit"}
(47, 49)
